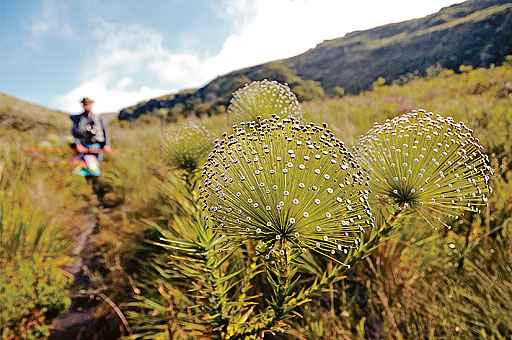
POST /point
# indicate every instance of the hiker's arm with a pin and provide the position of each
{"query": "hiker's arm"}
(107, 147)
(80, 148)
(76, 136)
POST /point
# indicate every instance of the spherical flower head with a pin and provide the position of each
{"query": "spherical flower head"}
(186, 147)
(286, 185)
(427, 162)
(263, 99)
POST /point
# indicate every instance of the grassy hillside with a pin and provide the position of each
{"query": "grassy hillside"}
(413, 286)
(477, 33)
(23, 116)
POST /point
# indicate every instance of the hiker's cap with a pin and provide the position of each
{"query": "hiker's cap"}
(86, 100)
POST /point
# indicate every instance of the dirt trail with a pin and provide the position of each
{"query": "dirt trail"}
(84, 319)
(75, 323)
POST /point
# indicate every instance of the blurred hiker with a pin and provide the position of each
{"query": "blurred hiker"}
(90, 140)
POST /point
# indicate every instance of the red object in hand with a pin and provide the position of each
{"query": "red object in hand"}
(81, 149)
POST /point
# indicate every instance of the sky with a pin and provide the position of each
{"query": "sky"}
(119, 52)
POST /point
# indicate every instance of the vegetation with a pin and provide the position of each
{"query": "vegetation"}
(23, 116)
(32, 250)
(163, 258)
(183, 154)
(408, 274)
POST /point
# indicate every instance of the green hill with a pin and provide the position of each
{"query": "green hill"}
(477, 33)
(23, 116)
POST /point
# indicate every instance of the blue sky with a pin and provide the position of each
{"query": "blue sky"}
(122, 51)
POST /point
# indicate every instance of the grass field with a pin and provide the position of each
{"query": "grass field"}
(418, 283)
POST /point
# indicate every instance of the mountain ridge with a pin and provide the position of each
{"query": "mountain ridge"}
(476, 33)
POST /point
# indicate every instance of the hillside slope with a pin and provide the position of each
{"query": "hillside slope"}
(21, 115)
(476, 32)
(481, 97)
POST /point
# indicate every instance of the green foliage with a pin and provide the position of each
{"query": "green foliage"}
(404, 79)
(339, 91)
(213, 99)
(308, 90)
(188, 283)
(234, 83)
(433, 71)
(202, 286)
(508, 61)
(11, 161)
(474, 305)
(465, 68)
(31, 290)
(379, 82)
(32, 286)
(409, 276)
(304, 89)
(21, 234)
(197, 287)
(23, 116)
(488, 112)
(279, 72)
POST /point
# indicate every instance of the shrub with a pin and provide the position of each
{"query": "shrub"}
(339, 92)
(32, 291)
(194, 288)
(433, 71)
(379, 82)
(465, 68)
(308, 90)
(508, 61)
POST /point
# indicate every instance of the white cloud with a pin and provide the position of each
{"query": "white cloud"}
(124, 83)
(108, 95)
(52, 19)
(263, 30)
(275, 29)
(122, 53)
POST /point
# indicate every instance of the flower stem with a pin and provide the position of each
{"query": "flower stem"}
(392, 218)
(376, 237)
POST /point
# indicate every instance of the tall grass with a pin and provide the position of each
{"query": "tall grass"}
(22, 232)
(32, 285)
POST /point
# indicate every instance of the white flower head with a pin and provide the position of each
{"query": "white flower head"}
(302, 211)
